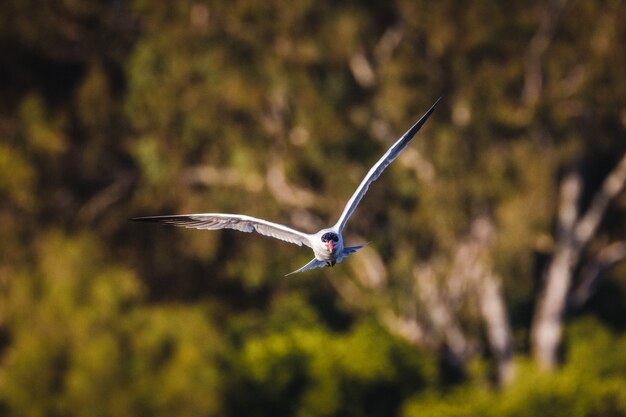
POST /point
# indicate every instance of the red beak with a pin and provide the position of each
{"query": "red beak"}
(329, 245)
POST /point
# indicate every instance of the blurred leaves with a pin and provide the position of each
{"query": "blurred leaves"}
(79, 332)
(298, 366)
(592, 358)
(16, 177)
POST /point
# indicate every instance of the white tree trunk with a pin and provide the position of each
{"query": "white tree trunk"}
(548, 322)
(574, 233)
(494, 313)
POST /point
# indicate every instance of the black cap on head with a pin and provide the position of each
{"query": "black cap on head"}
(330, 236)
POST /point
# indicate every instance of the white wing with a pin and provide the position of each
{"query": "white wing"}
(348, 251)
(374, 172)
(216, 221)
(313, 263)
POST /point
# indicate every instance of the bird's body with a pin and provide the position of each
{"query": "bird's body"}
(327, 244)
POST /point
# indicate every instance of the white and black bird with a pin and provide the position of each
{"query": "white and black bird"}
(327, 244)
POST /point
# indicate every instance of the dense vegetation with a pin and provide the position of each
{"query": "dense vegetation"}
(493, 283)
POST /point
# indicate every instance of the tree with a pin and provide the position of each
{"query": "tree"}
(575, 231)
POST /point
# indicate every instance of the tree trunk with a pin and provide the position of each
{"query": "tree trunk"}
(573, 234)
(493, 311)
(548, 321)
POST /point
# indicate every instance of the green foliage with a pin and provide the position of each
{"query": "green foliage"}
(592, 383)
(81, 342)
(16, 177)
(294, 365)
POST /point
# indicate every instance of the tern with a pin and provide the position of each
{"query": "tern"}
(327, 244)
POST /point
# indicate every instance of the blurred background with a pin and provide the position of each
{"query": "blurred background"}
(492, 285)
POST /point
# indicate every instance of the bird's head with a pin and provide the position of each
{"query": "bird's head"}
(330, 239)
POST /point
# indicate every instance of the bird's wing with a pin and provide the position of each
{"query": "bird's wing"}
(313, 263)
(374, 172)
(348, 251)
(216, 221)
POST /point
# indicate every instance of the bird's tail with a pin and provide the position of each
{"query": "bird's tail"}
(314, 263)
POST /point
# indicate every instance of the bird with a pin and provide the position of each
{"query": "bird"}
(327, 244)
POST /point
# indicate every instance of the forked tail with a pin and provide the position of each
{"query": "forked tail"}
(315, 263)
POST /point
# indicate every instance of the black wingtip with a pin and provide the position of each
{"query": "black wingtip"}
(432, 108)
(151, 219)
(418, 125)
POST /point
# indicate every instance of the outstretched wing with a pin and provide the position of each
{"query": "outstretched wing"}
(313, 263)
(374, 172)
(348, 251)
(216, 221)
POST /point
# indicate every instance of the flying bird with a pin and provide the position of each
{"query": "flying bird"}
(327, 244)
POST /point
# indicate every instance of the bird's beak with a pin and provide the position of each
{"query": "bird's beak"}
(329, 245)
